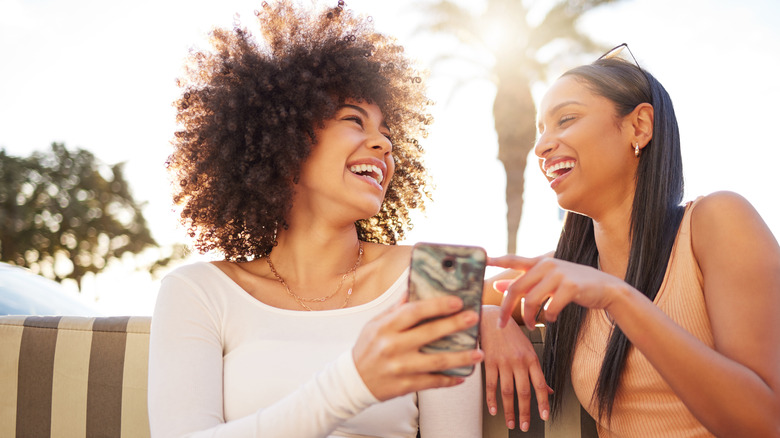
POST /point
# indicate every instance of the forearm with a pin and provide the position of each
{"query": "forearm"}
(314, 410)
(334, 396)
(724, 395)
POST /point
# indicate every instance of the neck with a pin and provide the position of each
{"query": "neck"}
(310, 259)
(613, 239)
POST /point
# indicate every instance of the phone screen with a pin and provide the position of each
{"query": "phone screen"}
(441, 269)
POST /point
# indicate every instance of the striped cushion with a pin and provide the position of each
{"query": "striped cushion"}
(573, 421)
(87, 377)
(73, 376)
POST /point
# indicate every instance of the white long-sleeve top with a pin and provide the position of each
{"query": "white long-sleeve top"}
(223, 364)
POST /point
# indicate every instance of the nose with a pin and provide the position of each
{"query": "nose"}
(544, 146)
(379, 142)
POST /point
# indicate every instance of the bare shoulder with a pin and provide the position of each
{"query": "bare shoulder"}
(727, 222)
(718, 203)
(384, 254)
(382, 266)
(724, 212)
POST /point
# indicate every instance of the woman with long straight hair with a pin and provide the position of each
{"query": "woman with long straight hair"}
(662, 314)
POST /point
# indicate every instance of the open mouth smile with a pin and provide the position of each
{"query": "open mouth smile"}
(368, 171)
(560, 168)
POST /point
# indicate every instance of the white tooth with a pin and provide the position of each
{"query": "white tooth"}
(558, 166)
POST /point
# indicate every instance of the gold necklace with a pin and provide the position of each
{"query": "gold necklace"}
(302, 301)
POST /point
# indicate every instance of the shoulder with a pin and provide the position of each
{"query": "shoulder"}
(383, 265)
(199, 278)
(387, 255)
(723, 223)
(721, 212)
(715, 202)
(190, 271)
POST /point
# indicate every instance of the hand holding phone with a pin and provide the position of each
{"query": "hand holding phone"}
(441, 269)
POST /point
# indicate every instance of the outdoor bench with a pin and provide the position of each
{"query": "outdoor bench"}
(66, 376)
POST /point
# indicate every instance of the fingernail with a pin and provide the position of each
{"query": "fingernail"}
(510, 424)
(455, 303)
(470, 317)
(545, 414)
(493, 410)
(524, 427)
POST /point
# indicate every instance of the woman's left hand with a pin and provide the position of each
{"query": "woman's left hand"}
(550, 284)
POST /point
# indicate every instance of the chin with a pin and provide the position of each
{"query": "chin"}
(570, 204)
(369, 211)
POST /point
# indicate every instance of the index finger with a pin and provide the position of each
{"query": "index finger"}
(509, 301)
(511, 261)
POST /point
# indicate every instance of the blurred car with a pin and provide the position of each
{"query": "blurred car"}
(25, 293)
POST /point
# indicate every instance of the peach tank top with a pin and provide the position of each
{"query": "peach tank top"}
(645, 405)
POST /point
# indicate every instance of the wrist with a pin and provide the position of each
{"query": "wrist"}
(623, 296)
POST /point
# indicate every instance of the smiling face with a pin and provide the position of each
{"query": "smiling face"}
(350, 166)
(584, 148)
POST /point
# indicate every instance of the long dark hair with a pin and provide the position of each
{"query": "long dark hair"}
(655, 218)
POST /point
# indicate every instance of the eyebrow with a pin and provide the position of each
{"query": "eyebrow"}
(563, 104)
(383, 124)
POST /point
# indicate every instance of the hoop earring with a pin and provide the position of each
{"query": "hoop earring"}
(636, 149)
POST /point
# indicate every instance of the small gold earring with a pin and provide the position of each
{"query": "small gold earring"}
(636, 149)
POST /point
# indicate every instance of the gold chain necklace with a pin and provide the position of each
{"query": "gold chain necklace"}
(302, 301)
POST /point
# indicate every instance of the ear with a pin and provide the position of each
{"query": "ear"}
(641, 119)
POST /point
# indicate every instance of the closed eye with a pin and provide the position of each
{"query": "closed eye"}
(565, 119)
(355, 119)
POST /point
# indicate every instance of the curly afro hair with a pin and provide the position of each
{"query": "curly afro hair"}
(248, 114)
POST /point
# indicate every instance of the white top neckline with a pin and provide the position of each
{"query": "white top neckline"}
(234, 287)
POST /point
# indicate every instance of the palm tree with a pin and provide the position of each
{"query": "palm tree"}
(503, 32)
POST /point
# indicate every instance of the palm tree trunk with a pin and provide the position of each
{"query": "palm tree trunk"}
(514, 113)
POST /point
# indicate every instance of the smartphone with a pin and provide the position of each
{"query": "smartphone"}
(441, 269)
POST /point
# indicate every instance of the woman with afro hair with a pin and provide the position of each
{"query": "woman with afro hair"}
(298, 160)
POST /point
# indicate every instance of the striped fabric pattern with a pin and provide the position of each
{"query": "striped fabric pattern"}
(73, 376)
(87, 377)
(573, 421)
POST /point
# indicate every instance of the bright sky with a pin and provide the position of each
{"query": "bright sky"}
(100, 76)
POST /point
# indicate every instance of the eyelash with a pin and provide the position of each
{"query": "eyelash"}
(565, 119)
(355, 119)
(359, 121)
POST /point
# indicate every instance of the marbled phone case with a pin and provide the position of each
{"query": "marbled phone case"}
(439, 269)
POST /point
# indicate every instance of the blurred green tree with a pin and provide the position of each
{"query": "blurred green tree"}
(65, 214)
(508, 49)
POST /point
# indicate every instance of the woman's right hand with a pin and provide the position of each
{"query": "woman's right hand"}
(387, 353)
(512, 361)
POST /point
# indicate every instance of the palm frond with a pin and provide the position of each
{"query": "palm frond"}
(560, 22)
(447, 17)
